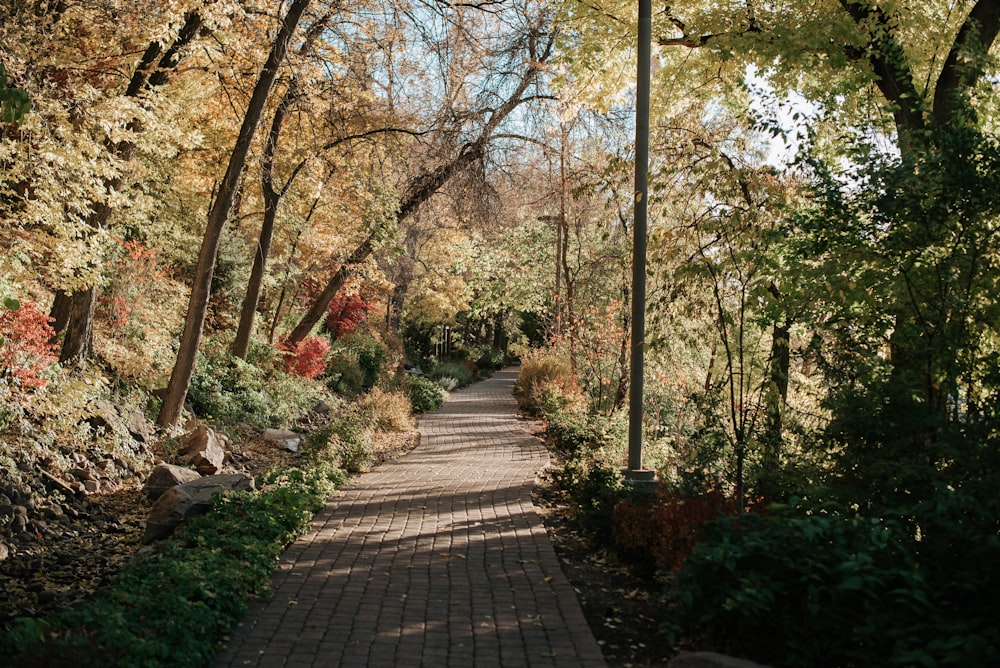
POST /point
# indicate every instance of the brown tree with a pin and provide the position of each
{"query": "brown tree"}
(180, 377)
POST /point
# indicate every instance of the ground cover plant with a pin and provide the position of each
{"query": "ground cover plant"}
(169, 608)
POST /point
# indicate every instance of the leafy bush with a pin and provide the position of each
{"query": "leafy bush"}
(490, 359)
(448, 383)
(387, 411)
(826, 587)
(452, 370)
(594, 490)
(307, 358)
(170, 609)
(546, 385)
(574, 433)
(343, 373)
(425, 394)
(25, 348)
(357, 363)
(344, 442)
(345, 313)
(231, 390)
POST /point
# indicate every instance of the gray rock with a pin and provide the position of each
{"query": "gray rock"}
(82, 474)
(165, 476)
(709, 660)
(139, 427)
(288, 440)
(188, 500)
(4, 552)
(103, 415)
(202, 449)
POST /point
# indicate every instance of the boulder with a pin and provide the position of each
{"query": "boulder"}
(288, 440)
(203, 449)
(165, 476)
(188, 500)
(139, 427)
(709, 660)
(103, 415)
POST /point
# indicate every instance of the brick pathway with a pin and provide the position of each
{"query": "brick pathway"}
(435, 559)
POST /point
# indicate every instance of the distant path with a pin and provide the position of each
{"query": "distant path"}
(435, 559)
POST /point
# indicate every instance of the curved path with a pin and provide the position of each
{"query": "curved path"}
(435, 559)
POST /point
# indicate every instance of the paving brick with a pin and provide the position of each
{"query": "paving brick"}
(436, 559)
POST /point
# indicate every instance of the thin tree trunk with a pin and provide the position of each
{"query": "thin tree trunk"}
(776, 397)
(180, 377)
(271, 200)
(318, 309)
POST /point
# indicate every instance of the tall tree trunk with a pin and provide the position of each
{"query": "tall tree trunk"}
(59, 313)
(180, 377)
(775, 398)
(271, 200)
(499, 331)
(624, 347)
(79, 330)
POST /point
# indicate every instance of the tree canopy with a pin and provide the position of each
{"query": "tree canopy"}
(350, 188)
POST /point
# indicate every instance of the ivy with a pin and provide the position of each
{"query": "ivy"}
(170, 608)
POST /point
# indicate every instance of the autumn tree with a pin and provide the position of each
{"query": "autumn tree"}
(99, 120)
(180, 378)
(507, 67)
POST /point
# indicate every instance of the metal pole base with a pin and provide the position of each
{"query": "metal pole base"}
(644, 480)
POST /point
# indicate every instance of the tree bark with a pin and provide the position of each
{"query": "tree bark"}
(776, 396)
(79, 330)
(271, 200)
(59, 312)
(180, 377)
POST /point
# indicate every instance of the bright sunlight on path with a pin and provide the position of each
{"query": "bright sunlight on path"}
(435, 559)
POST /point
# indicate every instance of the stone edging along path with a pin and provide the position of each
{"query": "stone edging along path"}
(435, 559)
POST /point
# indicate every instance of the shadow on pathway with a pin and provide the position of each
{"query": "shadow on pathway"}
(435, 559)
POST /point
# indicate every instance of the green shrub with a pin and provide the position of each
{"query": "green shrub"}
(344, 442)
(595, 496)
(230, 390)
(453, 370)
(425, 394)
(357, 362)
(574, 433)
(343, 373)
(490, 359)
(171, 608)
(448, 383)
(827, 587)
